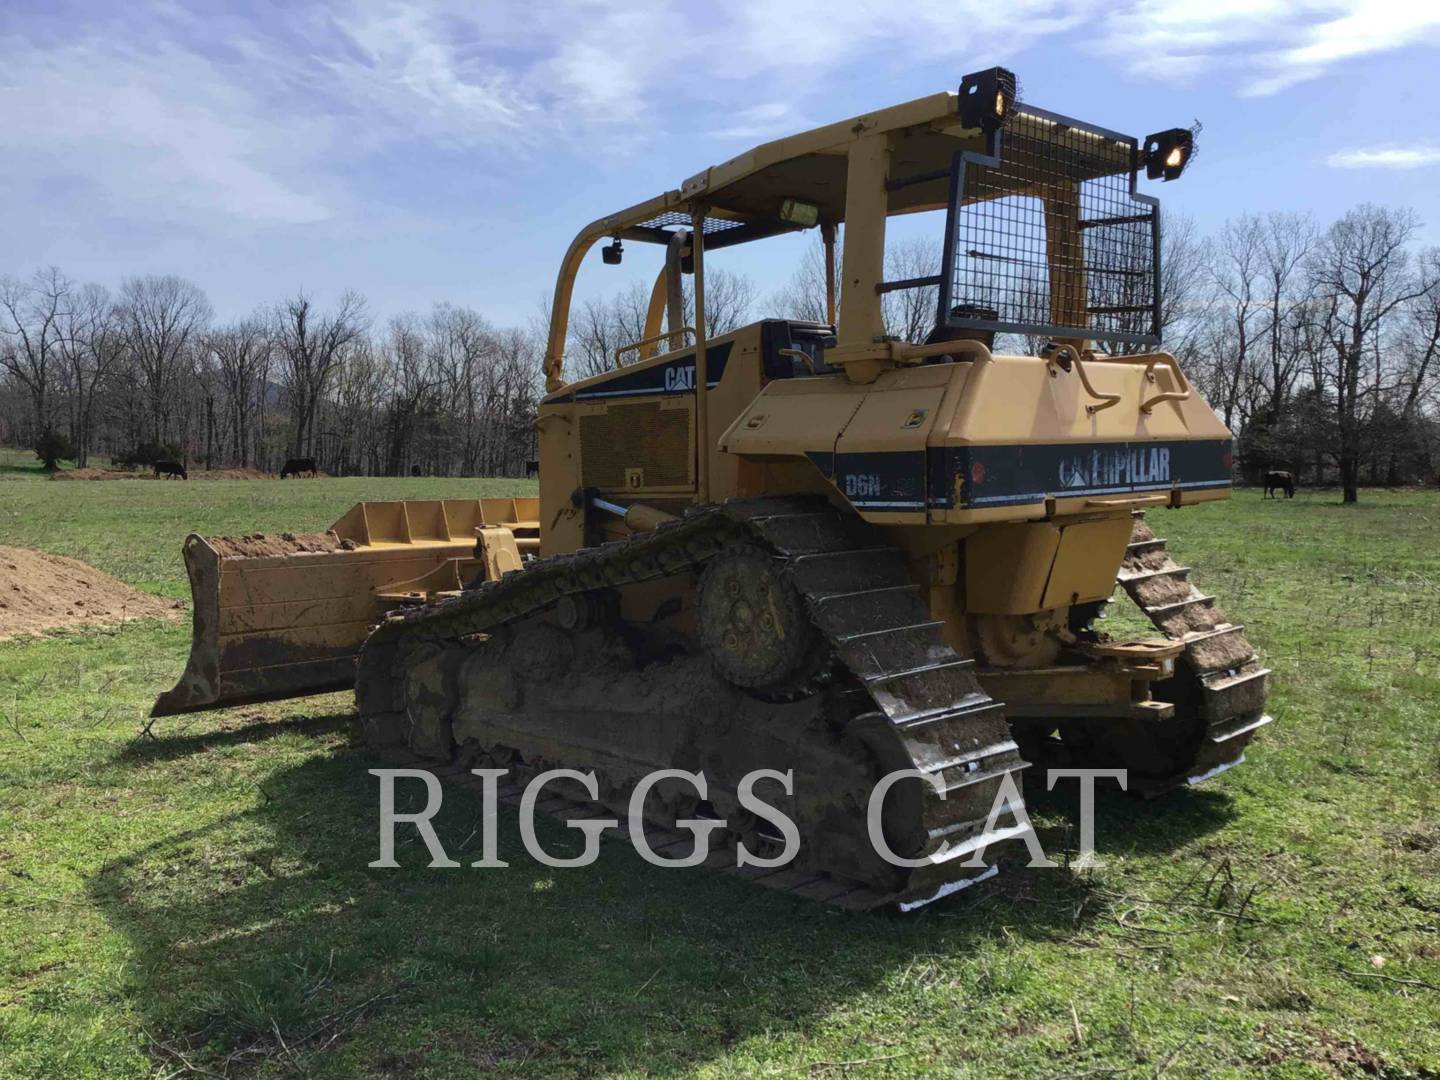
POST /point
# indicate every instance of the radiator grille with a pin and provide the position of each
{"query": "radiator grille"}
(635, 437)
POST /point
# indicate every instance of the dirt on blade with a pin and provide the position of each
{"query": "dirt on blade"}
(258, 545)
(40, 591)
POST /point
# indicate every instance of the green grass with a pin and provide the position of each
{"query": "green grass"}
(199, 898)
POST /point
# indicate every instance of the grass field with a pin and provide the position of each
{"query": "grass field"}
(198, 899)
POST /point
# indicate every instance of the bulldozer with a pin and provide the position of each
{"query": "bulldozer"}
(809, 546)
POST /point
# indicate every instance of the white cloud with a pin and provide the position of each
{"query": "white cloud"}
(767, 120)
(1411, 157)
(1264, 46)
(116, 120)
(402, 70)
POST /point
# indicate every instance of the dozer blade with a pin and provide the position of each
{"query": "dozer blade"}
(284, 616)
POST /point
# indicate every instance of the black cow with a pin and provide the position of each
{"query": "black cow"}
(170, 468)
(532, 469)
(297, 465)
(1281, 480)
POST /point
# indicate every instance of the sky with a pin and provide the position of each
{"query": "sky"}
(424, 152)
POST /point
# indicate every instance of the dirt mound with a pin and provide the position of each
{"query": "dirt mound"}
(40, 591)
(97, 474)
(256, 545)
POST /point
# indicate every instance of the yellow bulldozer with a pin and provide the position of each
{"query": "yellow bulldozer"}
(809, 546)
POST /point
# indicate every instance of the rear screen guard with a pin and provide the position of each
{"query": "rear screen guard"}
(1046, 235)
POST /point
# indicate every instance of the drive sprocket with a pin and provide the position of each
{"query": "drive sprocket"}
(754, 623)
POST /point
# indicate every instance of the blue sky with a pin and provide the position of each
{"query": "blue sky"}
(421, 152)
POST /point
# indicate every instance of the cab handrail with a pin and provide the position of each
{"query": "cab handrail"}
(650, 341)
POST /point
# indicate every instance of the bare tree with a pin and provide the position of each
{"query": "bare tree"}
(162, 314)
(803, 296)
(1420, 342)
(464, 348)
(1182, 261)
(1286, 242)
(1360, 273)
(600, 327)
(512, 395)
(1236, 263)
(909, 314)
(312, 345)
(412, 389)
(358, 401)
(34, 315)
(729, 298)
(92, 343)
(242, 355)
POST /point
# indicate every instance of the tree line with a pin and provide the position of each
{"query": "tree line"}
(147, 373)
(1319, 345)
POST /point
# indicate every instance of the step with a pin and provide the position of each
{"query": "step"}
(939, 688)
(984, 840)
(1165, 609)
(931, 624)
(1230, 683)
(1009, 746)
(846, 614)
(806, 534)
(1232, 696)
(1244, 728)
(977, 777)
(1146, 575)
(940, 665)
(877, 653)
(1209, 655)
(1195, 636)
(978, 705)
(834, 572)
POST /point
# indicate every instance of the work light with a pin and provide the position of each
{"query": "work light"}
(986, 98)
(797, 212)
(1168, 152)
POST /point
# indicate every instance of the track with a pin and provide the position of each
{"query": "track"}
(496, 675)
(1219, 687)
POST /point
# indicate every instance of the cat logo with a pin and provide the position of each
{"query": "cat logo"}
(1119, 467)
(680, 378)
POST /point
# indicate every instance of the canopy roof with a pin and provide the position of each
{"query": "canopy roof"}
(743, 196)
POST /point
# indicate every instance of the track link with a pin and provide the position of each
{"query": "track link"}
(896, 684)
(1220, 683)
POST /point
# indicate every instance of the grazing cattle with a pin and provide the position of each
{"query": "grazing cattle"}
(1281, 480)
(532, 469)
(297, 465)
(170, 468)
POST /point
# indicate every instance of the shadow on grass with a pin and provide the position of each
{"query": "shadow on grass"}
(169, 746)
(28, 471)
(263, 938)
